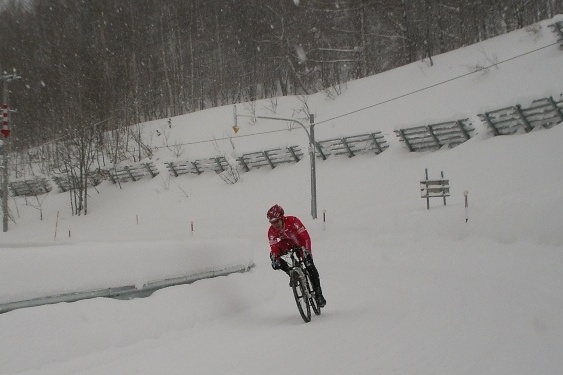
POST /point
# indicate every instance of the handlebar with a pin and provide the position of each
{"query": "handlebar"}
(295, 255)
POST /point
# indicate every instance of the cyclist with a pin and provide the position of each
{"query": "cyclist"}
(285, 233)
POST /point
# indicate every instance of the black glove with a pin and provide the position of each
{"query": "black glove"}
(308, 259)
(275, 262)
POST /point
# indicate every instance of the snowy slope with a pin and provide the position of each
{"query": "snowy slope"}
(409, 290)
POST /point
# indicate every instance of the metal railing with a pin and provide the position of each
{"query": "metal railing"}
(124, 292)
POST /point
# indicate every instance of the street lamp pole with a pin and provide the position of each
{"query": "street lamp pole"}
(312, 151)
(312, 156)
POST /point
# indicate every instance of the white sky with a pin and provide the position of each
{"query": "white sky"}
(409, 290)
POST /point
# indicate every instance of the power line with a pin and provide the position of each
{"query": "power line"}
(370, 106)
(224, 138)
(435, 85)
(379, 103)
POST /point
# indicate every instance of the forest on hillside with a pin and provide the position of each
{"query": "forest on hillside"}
(91, 71)
(120, 62)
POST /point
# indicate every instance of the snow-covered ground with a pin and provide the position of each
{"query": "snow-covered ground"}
(409, 290)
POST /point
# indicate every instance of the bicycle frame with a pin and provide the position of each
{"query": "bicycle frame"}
(296, 264)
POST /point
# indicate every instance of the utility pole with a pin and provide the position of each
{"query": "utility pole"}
(5, 78)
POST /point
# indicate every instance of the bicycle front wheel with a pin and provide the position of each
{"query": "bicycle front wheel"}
(300, 294)
(313, 296)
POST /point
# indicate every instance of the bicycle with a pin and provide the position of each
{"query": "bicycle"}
(305, 296)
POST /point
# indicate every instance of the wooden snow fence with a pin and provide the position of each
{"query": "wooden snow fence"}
(352, 145)
(545, 112)
(436, 136)
(557, 28)
(216, 164)
(271, 158)
(66, 182)
(133, 172)
(36, 186)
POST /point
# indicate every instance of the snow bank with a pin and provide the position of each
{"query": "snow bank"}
(33, 272)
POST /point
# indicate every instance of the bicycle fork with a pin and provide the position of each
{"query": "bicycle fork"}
(304, 282)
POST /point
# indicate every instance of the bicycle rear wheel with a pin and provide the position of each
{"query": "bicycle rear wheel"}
(300, 294)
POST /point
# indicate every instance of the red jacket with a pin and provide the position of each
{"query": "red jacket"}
(293, 234)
